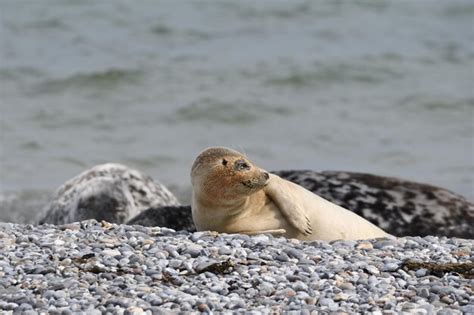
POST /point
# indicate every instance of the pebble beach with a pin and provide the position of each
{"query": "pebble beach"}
(332, 94)
(97, 267)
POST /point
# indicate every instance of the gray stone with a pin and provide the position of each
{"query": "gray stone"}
(325, 301)
(291, 252)
(372, 270)
(421, 272)
(282, 257)
(391, 267)
(424, 292)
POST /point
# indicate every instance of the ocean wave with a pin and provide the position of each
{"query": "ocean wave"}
(223, 112)
(20, 73)
(106, 79)
(438, 104)
(364, 73)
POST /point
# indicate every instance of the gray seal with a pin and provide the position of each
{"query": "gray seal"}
(400, 207)
(111, 192)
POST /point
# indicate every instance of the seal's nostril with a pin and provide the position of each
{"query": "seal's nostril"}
(266, 175)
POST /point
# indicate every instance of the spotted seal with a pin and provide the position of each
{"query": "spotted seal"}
(111, 192)
(400, 207)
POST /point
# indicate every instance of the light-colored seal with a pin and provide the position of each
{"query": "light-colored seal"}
(232, 195)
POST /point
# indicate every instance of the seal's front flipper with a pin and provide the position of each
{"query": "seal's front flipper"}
(281, 194)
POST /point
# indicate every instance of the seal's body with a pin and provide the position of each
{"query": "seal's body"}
(232, 195)
(328, 221)
(111, 192)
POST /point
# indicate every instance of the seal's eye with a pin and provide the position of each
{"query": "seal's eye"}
(224, 162)
(241, 165)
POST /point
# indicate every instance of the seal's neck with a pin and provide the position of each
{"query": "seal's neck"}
(217, 216)
(228, 206)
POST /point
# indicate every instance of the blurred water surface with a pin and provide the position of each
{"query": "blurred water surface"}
(384, 87)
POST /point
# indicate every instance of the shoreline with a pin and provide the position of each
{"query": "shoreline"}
(91, 266)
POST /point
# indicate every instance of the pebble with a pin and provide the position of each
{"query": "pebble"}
(325, 301)
(193, 250)
(111, 252)
(391, 267)
(347, 286)
(421, 272)
(341, 297)
(364, 245)
(92, 268)
(282, 257)
(372, 270)
(424, 292)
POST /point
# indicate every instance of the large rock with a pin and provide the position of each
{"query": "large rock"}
(110, 192)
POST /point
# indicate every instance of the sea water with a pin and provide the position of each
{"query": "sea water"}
(384, 87)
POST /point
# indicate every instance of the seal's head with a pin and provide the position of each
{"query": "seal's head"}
(221, 173)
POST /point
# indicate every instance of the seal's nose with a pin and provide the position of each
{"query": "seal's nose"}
(266, 175)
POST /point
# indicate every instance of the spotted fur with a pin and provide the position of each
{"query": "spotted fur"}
(110, 192)
(398, 206)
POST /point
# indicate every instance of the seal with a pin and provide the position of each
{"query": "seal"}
(173, 217)
(112, 192)
(232, 195)
(399, 206)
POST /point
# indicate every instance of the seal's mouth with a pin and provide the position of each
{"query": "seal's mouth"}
(248, 184)
(257, 183)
